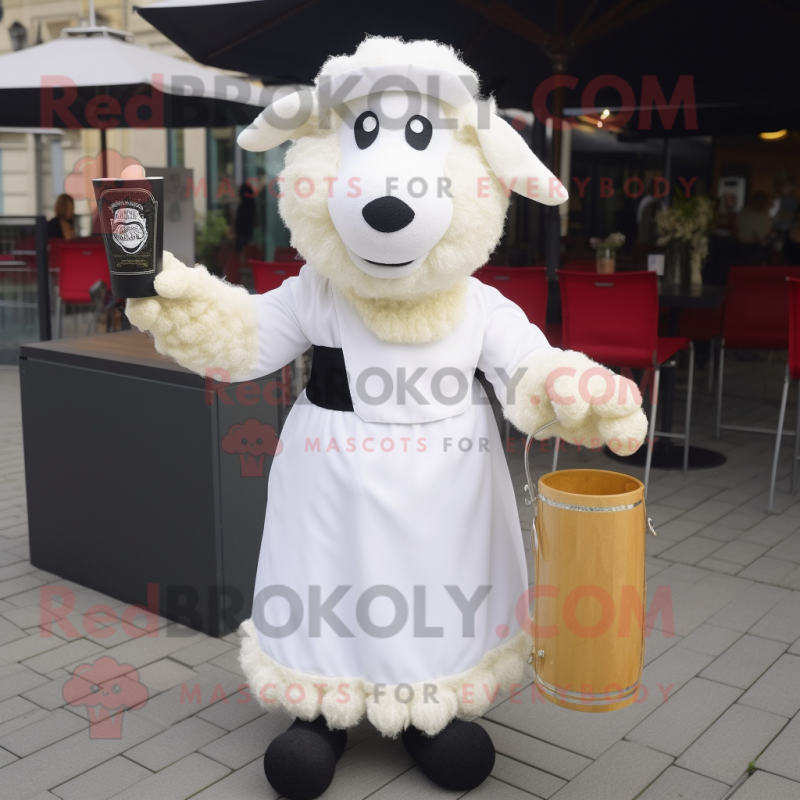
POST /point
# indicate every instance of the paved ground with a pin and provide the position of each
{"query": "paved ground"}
(730, 675)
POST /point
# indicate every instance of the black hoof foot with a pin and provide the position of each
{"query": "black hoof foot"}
(460, 758)
(300, 763)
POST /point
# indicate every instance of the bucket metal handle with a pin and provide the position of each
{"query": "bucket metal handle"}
(530, 488)
(533, 496)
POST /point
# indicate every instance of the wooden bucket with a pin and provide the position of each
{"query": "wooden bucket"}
(588, 543)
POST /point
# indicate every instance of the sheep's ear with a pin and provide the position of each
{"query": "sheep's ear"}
(515, 164)
(289, 117)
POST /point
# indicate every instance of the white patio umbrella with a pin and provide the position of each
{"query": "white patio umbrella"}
(95, 77)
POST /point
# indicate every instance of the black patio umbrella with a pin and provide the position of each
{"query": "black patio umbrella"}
(731, 62)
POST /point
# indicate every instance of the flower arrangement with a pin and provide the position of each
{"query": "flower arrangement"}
(689, 220)
(612, 242)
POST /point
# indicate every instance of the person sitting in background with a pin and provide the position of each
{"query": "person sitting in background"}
(753, 222)
(62, 226)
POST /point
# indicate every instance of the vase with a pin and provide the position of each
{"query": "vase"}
(676, 263)
(605, 260)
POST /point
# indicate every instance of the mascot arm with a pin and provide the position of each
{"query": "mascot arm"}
(205, 323)
(537, 384)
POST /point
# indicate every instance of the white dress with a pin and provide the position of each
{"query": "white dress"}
(391, 580)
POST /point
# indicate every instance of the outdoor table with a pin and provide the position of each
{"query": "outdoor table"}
(668, 454)
(142, 484)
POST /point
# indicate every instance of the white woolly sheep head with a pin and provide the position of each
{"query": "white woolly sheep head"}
(398, 180)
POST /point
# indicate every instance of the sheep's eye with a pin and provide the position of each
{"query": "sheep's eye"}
(244, 441)
(366, 130)
(259, 442)
(418, 132)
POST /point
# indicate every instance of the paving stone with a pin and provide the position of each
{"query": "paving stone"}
(767, 533)
(492, 789)
(763, 786)
(104, 781)
(16, 679)
(692, 550)
(18, 585)
(35, 714)
(164, 674)
(657, 643)
(201, 651)
(248, 783)
(676, 784)
(523, 776)
(147, 649)
(741, 553)
(59, 657)
(712, 640)
(233, 715)
(534, 752)
(678, 529)
(30, 646)
(719, 566)
(792, 580)
(699, 603)
(177, 782)
(661, 515)
(674, 725)
(51, 695)
(782, 622)
(211, 686)
(71, 757)
(6, 758)
(748, 608)
(777, 690)
(15, 707)
(768, 570)
(592, 734)
(722, 533)
(689, 496)
(9, 632)
(744, 662)
(654, 545)
(788, 549)
(242, 745)
(731, 743)
(230, 662)
(743, 519)
(781, 757)
(174, 743)
(53, 728)
(622, 771)
(710, 511)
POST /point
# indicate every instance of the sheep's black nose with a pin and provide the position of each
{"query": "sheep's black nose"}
(388, 214)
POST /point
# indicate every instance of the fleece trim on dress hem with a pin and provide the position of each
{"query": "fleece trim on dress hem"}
(428, 706)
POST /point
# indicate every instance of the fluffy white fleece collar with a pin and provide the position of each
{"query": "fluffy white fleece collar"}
(413, 321)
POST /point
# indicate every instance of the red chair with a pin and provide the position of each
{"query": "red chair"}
(703, 325)
(756, 317)
(269, 275)
(581, 265)
(285, 253)
(82, 265)
(792, 374)
(525, 286)
(614, 320)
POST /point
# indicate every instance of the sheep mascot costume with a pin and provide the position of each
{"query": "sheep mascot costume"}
(392, 566)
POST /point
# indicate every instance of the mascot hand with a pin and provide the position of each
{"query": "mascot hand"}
(199, 320)
(593, 406)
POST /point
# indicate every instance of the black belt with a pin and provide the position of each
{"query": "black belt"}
(327, 386)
